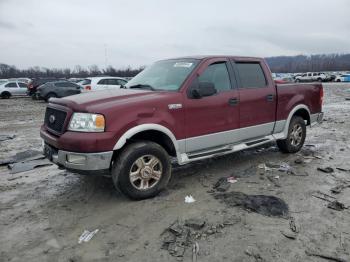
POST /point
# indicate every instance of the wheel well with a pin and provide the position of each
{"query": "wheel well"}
(304, 114)
(156, 137)
(6, 93)
(51, 93)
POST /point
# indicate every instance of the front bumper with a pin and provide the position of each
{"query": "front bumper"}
(82, 163)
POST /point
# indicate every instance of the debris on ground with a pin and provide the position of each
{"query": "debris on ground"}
(195, 251)
(274, 180)
(323, 196)
(290, 235)
(338, 189)
(181, 235)
(293, 226)
(6, 137)
(326, 169)
(195, 223)
(336, 205)
(232, 179)
(28, 165)
(189, 199)
(23, 156)
(343, 169)
(264, 205)
(224, 183)
(87, 235)
(282, 167)
(325, 256)
(254, 252)
(14, 178)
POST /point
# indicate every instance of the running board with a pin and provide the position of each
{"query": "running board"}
(223, 150)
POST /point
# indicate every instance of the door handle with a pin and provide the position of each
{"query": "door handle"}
(269, 98)
(233, 101)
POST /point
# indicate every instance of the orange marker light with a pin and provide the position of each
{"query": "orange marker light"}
(100, 121)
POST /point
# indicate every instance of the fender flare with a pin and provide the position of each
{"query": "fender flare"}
(146, 127)
(284, 133)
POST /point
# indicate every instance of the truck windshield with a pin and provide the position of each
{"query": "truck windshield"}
(167, 75)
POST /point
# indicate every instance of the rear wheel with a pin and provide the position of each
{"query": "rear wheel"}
(296, 136)
(297, 80)
(141, 170)
(5, 95)
(319, 79)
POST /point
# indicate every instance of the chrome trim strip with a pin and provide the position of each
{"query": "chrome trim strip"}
(228, 137)
(233, 148)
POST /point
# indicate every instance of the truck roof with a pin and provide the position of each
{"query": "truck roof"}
(201, 57)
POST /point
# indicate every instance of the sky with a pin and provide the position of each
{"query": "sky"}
(121, 33)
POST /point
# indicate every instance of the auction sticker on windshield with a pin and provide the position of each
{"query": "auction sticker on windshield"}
(183, 64)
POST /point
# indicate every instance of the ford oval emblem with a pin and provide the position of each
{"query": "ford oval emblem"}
(52, 119)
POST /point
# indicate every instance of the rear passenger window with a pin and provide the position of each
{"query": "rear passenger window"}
(218, 75)
(112, 82)
(251, 75)
(86, 82)
(102, 82)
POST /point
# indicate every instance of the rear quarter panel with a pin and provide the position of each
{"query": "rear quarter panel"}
(291, 95)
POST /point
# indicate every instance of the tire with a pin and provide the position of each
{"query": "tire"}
(296, 136)
(319, 79)
(50, 95)
(338, 80)
(137, 158)
(297, 80)
(5, 95)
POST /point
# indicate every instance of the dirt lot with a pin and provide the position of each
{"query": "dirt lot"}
(44, 211)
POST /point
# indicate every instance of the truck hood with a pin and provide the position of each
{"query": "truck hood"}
(98, 101)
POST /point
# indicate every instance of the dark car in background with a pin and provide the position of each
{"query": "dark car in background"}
(36, 82)
(57, 89)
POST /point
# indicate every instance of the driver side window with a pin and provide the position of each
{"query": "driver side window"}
(217, 74)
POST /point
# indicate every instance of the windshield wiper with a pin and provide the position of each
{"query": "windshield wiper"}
(142, 86)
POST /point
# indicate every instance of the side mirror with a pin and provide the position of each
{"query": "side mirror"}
(204, 89)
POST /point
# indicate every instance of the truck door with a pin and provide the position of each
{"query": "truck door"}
(257, 94)
(210, 119)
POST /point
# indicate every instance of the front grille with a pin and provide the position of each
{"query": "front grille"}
(54, 119)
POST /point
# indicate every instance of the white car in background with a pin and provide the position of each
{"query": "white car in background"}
(342, 78)
(310, 77)
(13, 88)
(100, 83)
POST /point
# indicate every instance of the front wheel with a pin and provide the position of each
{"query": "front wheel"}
(296, 136)
(141, 170)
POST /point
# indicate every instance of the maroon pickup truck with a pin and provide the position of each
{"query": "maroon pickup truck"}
(182, 109)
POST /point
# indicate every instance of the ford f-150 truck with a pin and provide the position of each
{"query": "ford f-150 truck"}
(182, 109)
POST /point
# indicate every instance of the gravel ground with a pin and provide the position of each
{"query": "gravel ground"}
(44, 211)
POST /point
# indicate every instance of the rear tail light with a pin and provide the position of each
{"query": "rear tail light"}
(87, 87)
(30, 86)
(321, 95)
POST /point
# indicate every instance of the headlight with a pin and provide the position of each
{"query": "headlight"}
(85, 122)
